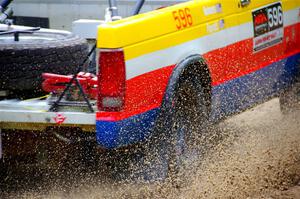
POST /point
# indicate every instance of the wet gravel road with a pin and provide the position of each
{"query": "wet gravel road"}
(258, 157)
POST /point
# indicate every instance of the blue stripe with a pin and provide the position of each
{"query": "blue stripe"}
(228, 98)
(125, 132)
(244, 92)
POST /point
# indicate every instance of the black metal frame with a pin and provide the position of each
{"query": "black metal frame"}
(4, 4)
(114, 12)
(56, 104)
(5, 12)
(138, 7)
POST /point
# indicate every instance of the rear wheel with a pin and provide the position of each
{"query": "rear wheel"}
(189, 123)
(177, 143)
(180, 139)
(289, 99)
(3, 171)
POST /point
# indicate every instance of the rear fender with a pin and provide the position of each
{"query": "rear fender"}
(182, 70)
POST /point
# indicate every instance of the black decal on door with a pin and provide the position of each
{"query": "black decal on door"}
(268, 26)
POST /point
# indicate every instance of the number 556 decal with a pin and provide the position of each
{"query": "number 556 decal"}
(268, 26)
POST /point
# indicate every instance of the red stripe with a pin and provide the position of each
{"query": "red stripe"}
(146, 91)
(238, 59)
(143, 93)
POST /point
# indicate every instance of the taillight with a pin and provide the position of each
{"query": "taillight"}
(111, 80)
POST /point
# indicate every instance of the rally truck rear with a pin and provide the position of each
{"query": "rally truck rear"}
(177, 69)
(165, 76)
(245, 59)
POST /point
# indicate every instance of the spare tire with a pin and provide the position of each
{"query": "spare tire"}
(23, 62)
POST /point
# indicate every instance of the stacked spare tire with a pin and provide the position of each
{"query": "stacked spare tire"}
(23, 62)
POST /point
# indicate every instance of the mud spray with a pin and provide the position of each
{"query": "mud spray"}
(258, 157)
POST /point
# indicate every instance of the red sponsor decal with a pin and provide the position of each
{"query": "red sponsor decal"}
(59, 118)
(260, 19)
(266, 38)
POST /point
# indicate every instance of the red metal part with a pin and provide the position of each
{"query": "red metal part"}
(57, 83)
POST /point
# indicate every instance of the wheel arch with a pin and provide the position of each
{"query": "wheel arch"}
(184, 69)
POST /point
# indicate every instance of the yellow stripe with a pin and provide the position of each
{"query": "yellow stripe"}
(156, 23)
(290, 4)
(157, 30)
(37, 98)
(173, 39)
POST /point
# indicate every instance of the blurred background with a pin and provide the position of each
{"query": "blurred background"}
(59, 14)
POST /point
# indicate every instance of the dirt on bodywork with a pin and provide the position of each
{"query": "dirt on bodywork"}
(258, 157)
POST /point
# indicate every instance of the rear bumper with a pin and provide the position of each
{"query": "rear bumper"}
(120, 133)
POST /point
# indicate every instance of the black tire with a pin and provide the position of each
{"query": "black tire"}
(157, 158)
(189, 126)
(181, 137)
(289, 99)
(3, 171)
(22, 63)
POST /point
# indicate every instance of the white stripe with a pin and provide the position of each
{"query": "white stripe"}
(35, 112)
(291, 17)
(21, 116)
(170, 56)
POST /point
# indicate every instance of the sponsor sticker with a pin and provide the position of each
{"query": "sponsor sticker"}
(59, 118)
(268, 26)
(212, 9)
(215, 26)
